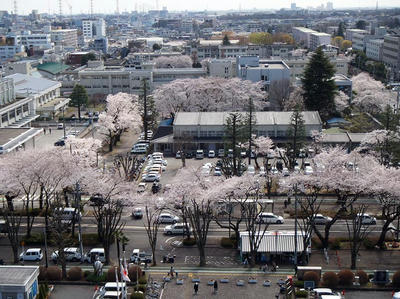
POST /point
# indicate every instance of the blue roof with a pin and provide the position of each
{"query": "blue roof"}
(167, 122)
(336, 120)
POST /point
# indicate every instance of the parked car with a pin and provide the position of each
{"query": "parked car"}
(199, 154)
(211, 154)
(251, 170)
(178, 155)
(262, 171)
(221, 153)
(31, 254)
(61, 141)
(285, 171)
(230, 153)
(137, 213)
(321, 219)
(322, 292)
(110, 288)
(189, 155)
(366, 219)
(156, 187)
(177, 229)
(151, 177)
(67, 214)
(94, 254)
(138, 256)
(308, 170)
(60, 126)
(205, 170)
(270, 218)
(71, 254)
(141, 187)
(243, 155)
(167, 218)
(217, 171)
(139, 148)
(274, 170)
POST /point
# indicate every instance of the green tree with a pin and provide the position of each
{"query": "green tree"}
(341, 29)
(319, 85)
(156, 47)
(87, 57)
(297, 136)
(226, 41)
(361, 24)
(78, 98)
(236, 133)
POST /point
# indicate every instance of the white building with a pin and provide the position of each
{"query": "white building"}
(232, 51)
(39, 41)
(302, 35)
(374, 48)
(266, 71)
(9, 52)
(391, 54)
(350, 33)
(65, 37)
(7, 92)
(93, 28)
(318, 39)
(223, 68)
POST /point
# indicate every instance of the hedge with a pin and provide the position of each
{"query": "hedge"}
(137, 295)
(346, 277)
(189, 242)
(75, 273)
(363, 277)
(227, 242)
(396, 279)
(330, 279)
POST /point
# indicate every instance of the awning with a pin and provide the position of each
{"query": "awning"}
(273, 242)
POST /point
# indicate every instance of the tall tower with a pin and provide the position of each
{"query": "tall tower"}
(60, 7)
(15, 7)
(376, 5)
(117, 11)
(91, 8)
(157, 5)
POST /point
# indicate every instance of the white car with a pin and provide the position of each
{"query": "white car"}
(217, 171)
(167, 218)
(94, 254)
(308, 170)
(251, 170)
(270, 218)
(140, 256)
(109, 288)
(366, 219)
(205, 170)
(211, 154)
(274, 170)
(137, 213)
(262, 171)
(321, 219)
(151, 177)
(71, 254)
(322, 292)
(141, 187)
(177, 229)
(285, 171)
(31, 254)
(157, 168)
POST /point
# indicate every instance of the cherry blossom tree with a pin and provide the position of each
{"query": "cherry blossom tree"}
(295, 99)
(86, 149)
(173, 62)
(371, 95)
(341, 101)
(208, 94)
(122, 112)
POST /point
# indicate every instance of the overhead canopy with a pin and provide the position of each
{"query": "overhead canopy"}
(273, 242)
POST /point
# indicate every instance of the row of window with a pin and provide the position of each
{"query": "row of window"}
(205, 134)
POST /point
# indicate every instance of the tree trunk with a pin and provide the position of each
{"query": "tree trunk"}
(382, 236)
(353, 260)
(15, 253)
(110, 144)
(79, 112)
(253, 256)
(202, 255)
(107, 252)
(41, 197)
(153, 251)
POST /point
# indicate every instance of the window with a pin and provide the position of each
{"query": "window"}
(19, 110)
(4, 118)
(12, 114)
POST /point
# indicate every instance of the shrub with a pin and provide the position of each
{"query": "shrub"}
(87, 273)
(34, 239)
(316, 243)
(142, 280)
(396, 279)
(346, 277)
(299, 284)
(75, 273)
(301, 294)
(54, 273)
(227, 242)
(368, 244)
(140, 287)
(363, 277)
(189, 242)
(96, 279)
(90, 239)
(111, 274)
(330, 279)
(336, 244)
(137, 295)
(311, 276)
(133, 271)
(42, 273)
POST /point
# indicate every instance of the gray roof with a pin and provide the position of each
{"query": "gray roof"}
(274, 242)
(25, 84)
(263, 118)
(17, 275)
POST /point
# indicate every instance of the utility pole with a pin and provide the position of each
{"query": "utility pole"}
(145, 124)
(45, 248)
(78, 205)
(250, 127)
(64, 122)
(295, 229)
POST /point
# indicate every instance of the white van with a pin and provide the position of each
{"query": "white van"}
(95, 253)
(199, 154)
(68, 214)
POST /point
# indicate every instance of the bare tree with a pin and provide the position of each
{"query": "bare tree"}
(279, 92)
(390, 211)
(127, 166)
(227, 210)
(12, 224)
(357, 233)
(151, 225)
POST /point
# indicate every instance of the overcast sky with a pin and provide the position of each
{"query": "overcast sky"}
(109, 6)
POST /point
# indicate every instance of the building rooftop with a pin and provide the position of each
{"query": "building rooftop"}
(27, 85)
(17, 275)
(262, 118)
(52, 67)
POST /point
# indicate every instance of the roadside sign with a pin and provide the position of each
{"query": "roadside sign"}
(309, 284)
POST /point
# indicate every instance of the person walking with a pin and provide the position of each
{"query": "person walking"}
(215, 287)
(50, 131)
(172, 271)
(44, 130)
(196, 288)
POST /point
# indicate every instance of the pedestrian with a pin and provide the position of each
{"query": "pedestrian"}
(215, 286)
(196, 288)
(50, 131)
(285, 203)
(44, 130)
(246, 261)
(172, 271)
(176, 275)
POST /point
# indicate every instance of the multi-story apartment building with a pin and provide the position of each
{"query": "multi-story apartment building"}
(318, 39)
(7, 92)
(9, 51)
(374, 49)
(93, 28)
(391, 54)
(39, 41)
(232, 51)
(224, 68)
(351, 31)
(302, 35)
(65, 37)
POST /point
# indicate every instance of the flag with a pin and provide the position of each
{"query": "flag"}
(124, 272)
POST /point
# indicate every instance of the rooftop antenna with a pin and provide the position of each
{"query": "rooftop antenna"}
(117, 7)
(15, 7)
(60, 7)
(376, 5)
(91, 8)
(157, 5)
